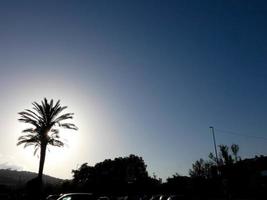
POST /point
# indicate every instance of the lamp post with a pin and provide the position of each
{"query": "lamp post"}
(215, 146)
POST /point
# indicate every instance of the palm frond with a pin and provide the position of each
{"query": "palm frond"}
(55, 131)
(51, 104)
(44, 117)
(40, 110)
(26, 119)
(35, 114)
(29, 130)
(69, 126)
(64, 117)
(28, 136)
(46, 109)
(36, 148)
(26, 141)
(30, 144)
(29, 115)
(54, 111)
(56, 143)
(57, 111)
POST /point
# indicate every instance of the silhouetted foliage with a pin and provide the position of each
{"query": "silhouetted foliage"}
(235, 150)
(232, 176)
(225, 156)
(208, 168)
(201, 168)
(178, 184)
(120, 174)
(127, 178)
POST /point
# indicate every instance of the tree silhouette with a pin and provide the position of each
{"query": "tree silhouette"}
(113, 176)
(226, 157)
(200, 168)
(45, 119)
(235, 150)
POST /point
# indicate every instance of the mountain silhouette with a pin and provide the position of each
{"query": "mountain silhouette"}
(10, 177)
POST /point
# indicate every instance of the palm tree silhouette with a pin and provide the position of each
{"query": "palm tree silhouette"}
(45, 119)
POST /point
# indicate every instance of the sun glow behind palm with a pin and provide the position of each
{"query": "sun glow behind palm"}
(56, 155)
(60, 161)
(45, 120)
(56, 158)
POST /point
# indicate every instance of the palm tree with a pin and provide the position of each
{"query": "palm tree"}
(235, 150)
(45, 119)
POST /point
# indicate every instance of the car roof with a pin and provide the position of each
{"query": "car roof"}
(79, 193)
(75, 194)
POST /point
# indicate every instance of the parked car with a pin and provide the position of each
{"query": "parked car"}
(176, 197)
(155, 197)
(163, 197)
(53, 197)
(103, 198)
(77, 196)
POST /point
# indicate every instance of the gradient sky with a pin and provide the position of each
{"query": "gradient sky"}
(142, 77)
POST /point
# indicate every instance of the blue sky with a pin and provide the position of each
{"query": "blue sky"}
(143, 77)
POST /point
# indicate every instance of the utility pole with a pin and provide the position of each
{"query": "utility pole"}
(215, 146)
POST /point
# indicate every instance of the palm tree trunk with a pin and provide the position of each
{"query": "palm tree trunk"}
(42, 161)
